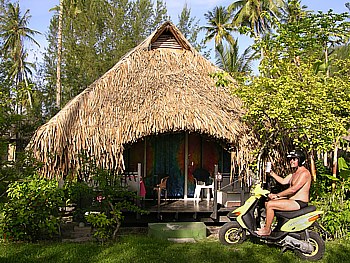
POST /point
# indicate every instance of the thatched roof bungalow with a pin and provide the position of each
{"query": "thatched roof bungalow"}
(157, 105)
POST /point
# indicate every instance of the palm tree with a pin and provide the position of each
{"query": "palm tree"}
(219, 26)
(14, 33)
(18, 72)
(59, 56)
(293, 12)
(72, 9)
(228, 58)
(255, 14)
(15, 30)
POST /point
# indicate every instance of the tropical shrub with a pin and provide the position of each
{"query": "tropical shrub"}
(331, 194)
(24, 166)
(101, 198)
(31, 212)
(103, 226)
(111, 200)
(80, 195)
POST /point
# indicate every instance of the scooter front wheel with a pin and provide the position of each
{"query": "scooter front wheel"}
(319, 248)
(232, 233)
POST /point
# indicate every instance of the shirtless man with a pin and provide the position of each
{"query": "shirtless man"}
(293, 198)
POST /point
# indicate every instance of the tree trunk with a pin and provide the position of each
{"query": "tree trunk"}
(118, 221)
(59, 56)
(335, 161)
(313, 166)
(325, 159)
(335, 165)
(326, 60)
(28, 92)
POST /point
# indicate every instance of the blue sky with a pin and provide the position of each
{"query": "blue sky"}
(39, 10)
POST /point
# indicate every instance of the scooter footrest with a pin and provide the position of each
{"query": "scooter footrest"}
(275, 236)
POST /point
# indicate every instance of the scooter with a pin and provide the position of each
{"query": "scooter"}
(292, 230)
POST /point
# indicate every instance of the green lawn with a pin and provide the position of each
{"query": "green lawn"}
(134, 249)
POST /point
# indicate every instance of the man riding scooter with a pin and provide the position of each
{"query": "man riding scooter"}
(295, 197)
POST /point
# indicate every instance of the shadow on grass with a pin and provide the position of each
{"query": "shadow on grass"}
(151, 250)
(49, 252)
(142, 249)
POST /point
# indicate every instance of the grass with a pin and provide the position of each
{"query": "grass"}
(143, 249)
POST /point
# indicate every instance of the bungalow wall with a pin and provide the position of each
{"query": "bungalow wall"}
(164, 155)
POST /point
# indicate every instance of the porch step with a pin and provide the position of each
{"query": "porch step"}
(74, 233)
(233, 203)
(235, 193)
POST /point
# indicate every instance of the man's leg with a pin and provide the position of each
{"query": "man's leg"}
(271, 206)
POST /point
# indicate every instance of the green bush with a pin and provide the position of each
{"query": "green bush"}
(111, 199)
(81, 196)
(24, 166)
(103, 226)
(31, 212)
(331, 194)
(94, 189)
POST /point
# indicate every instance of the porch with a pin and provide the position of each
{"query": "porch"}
(180, 210)
(177, 156)
(225, 197)
(174, 173)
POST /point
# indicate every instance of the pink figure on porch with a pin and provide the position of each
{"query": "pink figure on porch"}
(142, 189)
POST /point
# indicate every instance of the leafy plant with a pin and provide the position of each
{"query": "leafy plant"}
(103, 193)
(32, 210)
(333, 199)
(104, 226)
(111, 198)
(80, 195)
(291, 99)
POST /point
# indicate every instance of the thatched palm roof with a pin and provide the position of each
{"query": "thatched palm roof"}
(161, 86)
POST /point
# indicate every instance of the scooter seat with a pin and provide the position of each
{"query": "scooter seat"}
(292, 214)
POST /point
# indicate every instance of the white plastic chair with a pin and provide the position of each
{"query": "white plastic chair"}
(201, 185)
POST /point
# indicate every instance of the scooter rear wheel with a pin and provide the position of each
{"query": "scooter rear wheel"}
(319, 248)
(232, 233)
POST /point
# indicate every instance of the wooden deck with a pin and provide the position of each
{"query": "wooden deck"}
(182, 205)
(181, 210)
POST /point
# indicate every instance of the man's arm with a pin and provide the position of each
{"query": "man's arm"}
(280, 179)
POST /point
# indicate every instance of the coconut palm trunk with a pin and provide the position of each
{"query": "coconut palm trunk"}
(59, 56)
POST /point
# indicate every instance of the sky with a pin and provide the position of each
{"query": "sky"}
(40, 20)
